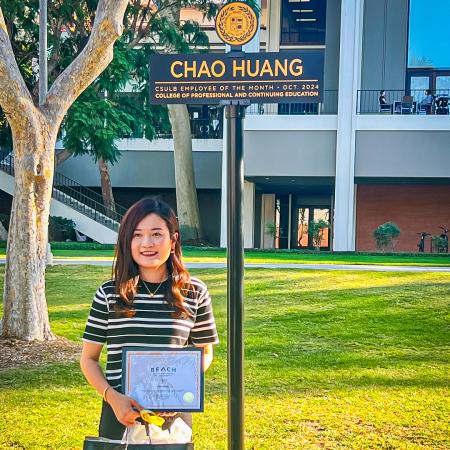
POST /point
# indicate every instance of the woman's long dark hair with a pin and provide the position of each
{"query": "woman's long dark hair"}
(125, 269)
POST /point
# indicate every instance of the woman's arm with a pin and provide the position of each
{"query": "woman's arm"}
(123, 406)
(91, 368)
(208, 355)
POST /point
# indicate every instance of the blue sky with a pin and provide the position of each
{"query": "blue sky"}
(429, 33)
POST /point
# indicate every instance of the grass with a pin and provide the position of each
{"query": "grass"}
(219, 255)
(335, 360)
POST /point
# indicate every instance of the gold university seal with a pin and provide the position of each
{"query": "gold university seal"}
(236, 23)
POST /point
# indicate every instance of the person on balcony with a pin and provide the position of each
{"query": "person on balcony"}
(384, 106)
(427, 102)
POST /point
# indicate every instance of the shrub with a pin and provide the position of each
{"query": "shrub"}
(81, 246)
(271, 230)
(4, 219)
(439, 244)
(60, 229)
(316, 229)
(386, 236)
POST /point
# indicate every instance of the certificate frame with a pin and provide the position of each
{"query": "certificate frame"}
(164, 379)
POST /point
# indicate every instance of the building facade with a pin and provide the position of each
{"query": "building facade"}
(375, 150)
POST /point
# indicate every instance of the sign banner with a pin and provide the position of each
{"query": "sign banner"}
(283, 77)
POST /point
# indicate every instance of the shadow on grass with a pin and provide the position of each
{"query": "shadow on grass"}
(68, 375)
(42, 377)
(325, 335)
(68, 315)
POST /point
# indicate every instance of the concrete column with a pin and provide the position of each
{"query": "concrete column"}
(267, 217)
(274, 25)
(273, 35)
(249, 214)
(349, 83)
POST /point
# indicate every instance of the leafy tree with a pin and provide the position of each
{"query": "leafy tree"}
(81, 36)
(34, 131)
(95, 121)
(145, 27)
(176, 37)
(61, 228)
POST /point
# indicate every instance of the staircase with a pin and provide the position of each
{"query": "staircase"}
(73, 201)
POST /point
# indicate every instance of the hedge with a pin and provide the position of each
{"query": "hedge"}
(97, 246)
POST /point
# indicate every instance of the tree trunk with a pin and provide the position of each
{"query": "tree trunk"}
(186, 192)
(105, 180)
(187, 204)
(25, 308)
(34, 131)
(62, 156)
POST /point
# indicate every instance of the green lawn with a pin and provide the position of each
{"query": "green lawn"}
(219, 255)
(334, 360)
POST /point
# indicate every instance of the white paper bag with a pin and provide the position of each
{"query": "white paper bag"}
(179, 433)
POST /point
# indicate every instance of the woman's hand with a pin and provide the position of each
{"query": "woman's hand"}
(125, 408)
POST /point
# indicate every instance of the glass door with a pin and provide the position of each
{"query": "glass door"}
(419, 80)
(419, 84)
(302, 228)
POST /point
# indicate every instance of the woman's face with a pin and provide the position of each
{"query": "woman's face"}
(151, 244)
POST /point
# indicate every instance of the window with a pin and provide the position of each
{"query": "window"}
(429, 34)
(303, 22)
(443, 82)
(428, 54)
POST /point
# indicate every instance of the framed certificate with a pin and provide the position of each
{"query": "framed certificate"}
(164, 379)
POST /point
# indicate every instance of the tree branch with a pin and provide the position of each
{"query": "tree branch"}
(91, 62)
(144, 32)
(138, 33)
(135, 18)
(55, 57)
(14, 95)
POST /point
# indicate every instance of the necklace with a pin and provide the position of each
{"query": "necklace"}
(152, 294)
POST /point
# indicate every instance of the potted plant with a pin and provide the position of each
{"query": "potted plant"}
(439, 244)
(316, 230)
(386, 236)
(273, 231)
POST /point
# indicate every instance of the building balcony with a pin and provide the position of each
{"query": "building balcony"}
(401, 102)
(328, 106)
(206, 123)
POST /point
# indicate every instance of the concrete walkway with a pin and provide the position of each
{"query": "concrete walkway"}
(219, 265)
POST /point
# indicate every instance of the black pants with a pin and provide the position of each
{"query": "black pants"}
(111, 428)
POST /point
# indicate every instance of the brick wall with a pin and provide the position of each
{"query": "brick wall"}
(414, 208)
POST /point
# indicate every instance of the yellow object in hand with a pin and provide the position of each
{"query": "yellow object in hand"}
(151, 418)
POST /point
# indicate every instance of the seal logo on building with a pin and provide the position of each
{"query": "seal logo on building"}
(236, 23)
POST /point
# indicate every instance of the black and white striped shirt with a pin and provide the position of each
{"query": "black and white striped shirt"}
(151, 326)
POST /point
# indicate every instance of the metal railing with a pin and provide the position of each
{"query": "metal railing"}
(329, 105)
(207, 128)
(82, 199)
(402, 102)
(201, 128)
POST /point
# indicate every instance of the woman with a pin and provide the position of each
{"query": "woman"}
(150, 300)
(382, 98)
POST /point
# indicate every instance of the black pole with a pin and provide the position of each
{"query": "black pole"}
(235, 291)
